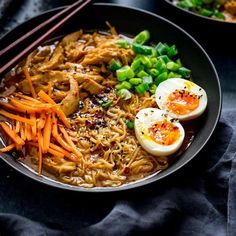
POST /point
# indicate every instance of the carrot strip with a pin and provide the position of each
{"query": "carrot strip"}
(61, 150)
(57, 136)
(28, 132)
(16, 117)
(28, 77)
(9, 106)
(26, 97)
(17, 129)
(45, 97)
(62, 116)
(8, 148)
(55, 153)
(34, 127)
(12, 134)
(40, 153)
(22, 132)
(70, 142)
(36, 105)
(47, 134)
(26, 108)
(41, 121)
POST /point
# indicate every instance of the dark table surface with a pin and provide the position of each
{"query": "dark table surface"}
(62, 209)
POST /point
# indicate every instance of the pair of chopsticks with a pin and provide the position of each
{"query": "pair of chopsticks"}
(67, 13)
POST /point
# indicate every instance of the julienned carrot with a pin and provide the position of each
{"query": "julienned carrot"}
(8, 148)
(25, 108)
(12, 134)
(40, 139)
(26, 97)
(61, 150)
(50, 150)
(57, 109)
(22, 132)
(28, 132)
(57, 136)
(47, 134)
(16, 117)
(45, 97)
(62, 116)
(35, 105)
(41, 121)
(17, 129)
(34, 127)
(70, 142)
(28, 77)
(37, 125)
(9, 106)
(40, 153)
(55, 153)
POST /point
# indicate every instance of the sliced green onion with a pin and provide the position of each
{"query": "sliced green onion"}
(141, 89)
(129, 124)
(135, 81)
(162, 77)
(136, 64)
(154, 72)
(142, 49)
(186, 4)
(160, 66)
(219, 15)
(174, 75)
(161, 49)
(147, 80)
(114, 65)
(172, 51)
(124, 85)
(153, 88)
(124, 73)
(172, 66)
(178, 61)
(124, 94)
(123, 43)
(165, 58)
(186, 73)
(142, 37)
(153, 60)
(206, 12)
(142, 73)
(107, 104)
(146, 61)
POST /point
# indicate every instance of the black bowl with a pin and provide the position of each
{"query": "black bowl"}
(208, 31)
(130, 21)
(170, 2)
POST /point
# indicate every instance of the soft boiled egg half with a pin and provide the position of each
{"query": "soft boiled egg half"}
(157, 132)
(181, 99)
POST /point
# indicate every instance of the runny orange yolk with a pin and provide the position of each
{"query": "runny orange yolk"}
(164, 132)
(182, 102)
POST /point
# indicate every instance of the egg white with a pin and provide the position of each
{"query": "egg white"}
(144, 120)
(169, 86)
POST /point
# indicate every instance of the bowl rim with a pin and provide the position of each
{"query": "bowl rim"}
(140, 183)
(198, 15)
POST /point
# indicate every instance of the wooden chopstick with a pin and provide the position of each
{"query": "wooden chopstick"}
(78, 5)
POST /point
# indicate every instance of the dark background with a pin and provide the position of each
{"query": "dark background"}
(66, 210)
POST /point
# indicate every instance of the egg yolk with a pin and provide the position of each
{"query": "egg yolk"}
(164, 132)
(182, 102)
